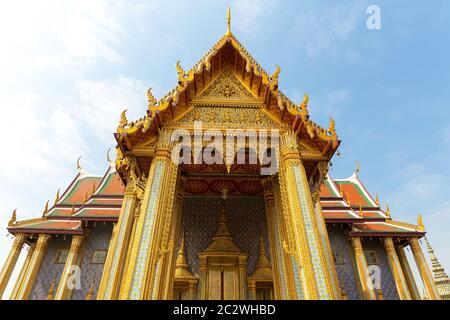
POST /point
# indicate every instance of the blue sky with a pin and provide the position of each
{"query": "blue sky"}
(69, 68)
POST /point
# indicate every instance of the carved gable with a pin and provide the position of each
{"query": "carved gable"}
(226, 88)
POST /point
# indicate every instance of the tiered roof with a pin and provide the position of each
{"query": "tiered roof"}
(99, 198)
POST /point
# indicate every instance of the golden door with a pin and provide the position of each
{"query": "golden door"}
(222, 282)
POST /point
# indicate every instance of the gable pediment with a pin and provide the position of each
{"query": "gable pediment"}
(226, 88)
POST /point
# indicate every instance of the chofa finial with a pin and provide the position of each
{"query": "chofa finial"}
(358, 167)
(420, 225)
(13, 219)
(108, 158)
(228, 22)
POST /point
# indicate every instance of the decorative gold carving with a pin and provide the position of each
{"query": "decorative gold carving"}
(226, 87)
(233, 116)
(13, 219)
(123, 119)
(420, 224)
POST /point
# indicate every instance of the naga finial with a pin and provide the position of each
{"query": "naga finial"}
(180, 72)
(151, 98)
(304, 104)
(57, 196)
(13, 219)
(228, 22)
(377, 201)
(123, 119)
(45, 209)
(332, 127)
(388, 211)
(420, 225)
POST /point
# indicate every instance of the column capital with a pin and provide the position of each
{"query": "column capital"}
(19, 239)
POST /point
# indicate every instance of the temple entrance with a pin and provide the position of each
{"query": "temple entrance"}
(224, 237)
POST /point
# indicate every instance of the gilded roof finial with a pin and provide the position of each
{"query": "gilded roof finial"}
(79, 167)
(228, 22)
(13, 219)
(358, 167)
(332, 126)
(388, 211)
(108, 157)
(45, 209)
(420, 225)
(151, 98)
(57, 196)
(73, 208)
(360, 210)
(377, 201)
(348, 200)
(123, 119)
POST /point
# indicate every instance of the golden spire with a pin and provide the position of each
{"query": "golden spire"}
(57, 196)
(181, 266)
(377, 201)
(13, 218)
(228, 22)
(51, 291)
(45, 209)
(90, 293)
(420, 225)
(262, 261)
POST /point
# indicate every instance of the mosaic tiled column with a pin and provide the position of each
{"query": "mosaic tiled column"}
(424, 271)
(11, 261)
(117, 252)
(23, 271)
(276, 248)
(363, 270)
(35, 265)
(65, 286)
(308, 248)
(409, 277)
(142, 278)
(292, 276)
(396, 269)
(166, 289)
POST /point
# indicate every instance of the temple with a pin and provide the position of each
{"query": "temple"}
(220, 191)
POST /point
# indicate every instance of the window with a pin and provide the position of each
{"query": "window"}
(371, 257)
(338, 257)
(61, 256)
(98, 257)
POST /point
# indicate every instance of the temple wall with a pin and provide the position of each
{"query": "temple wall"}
(246, 218)
(98, 238)
(49, 271)
(387, 280)
(346, 273)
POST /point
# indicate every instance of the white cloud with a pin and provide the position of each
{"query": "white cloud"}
(250, 16)
(319, 31)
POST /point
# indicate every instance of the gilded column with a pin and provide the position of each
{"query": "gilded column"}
(142, 278)
(396, 269)
(424, 271)
(308, 248)
(363, 270)
(293, 274)
(11, 261)
(73, 258)
(23, 271)
(411, 282)
(175, 231)
(117, 252)
(35, 265)
(275, 241)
